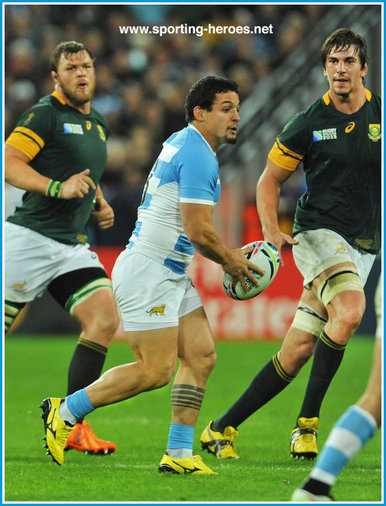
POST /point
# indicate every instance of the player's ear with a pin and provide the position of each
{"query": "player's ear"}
(54, 77)
(198, 113)
(364, 70)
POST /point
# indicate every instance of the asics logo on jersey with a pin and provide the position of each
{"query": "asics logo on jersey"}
(350, 127)
(158, 311)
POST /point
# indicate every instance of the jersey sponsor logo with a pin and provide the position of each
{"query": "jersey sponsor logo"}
(365, 243)
(327, 134)
(374, 132)
(19, 286)
(82, 238)
(158, 311)
(72, 128)
(101, 133)
(350, 127)
(29, 118)
(341, 249)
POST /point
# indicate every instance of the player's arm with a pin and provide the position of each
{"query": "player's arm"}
(267, 199)
(103, 213)
(197, 220)
(19, 173)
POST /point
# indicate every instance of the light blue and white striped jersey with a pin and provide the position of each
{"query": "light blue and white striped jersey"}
(185, 171)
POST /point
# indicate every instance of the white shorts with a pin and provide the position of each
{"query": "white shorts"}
(149, 295)
(32, 261)
(321, 249)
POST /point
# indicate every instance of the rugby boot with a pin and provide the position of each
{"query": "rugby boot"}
(303, 438)
(221, 444)
(56, 429)
(188, 465)
(83, 439)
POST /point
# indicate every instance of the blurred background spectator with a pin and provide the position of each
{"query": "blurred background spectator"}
(142, 81)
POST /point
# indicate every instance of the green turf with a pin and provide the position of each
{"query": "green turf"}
(37, 367)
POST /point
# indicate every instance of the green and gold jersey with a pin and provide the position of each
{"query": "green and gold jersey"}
(60, 141)
(341, 155)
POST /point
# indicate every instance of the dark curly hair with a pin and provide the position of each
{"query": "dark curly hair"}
(203, 93)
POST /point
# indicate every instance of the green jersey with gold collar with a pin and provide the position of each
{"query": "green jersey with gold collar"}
(341, 156)
(60, 142)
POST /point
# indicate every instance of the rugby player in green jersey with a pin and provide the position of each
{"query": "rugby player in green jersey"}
(357, 425)
(336, 237)
(57, 153)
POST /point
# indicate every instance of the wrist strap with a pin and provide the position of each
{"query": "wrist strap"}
(53, 189)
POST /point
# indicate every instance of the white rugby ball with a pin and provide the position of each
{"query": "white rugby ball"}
(265, 256)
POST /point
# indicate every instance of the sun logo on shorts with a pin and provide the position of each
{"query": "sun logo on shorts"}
(158, 311)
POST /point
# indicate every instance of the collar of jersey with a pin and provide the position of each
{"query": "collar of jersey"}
(203, 138)
(327, 100)
(58, 97)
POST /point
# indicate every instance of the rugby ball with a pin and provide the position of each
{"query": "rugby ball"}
(264, 255)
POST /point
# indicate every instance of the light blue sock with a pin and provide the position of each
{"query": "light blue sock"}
(351, 432)
(79, 404)
(180, 442)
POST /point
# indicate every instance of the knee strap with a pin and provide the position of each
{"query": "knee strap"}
(86, 291)
(340, 280)
(11, 310)
(307, 319)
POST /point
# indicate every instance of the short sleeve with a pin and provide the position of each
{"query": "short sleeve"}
(291, 145)
(33, 130)
(198, 177)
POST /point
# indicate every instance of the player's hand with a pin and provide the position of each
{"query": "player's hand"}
(279, 239)
(239, 267)
(77, 186)
(103, 213)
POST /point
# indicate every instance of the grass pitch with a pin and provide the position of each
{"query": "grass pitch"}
(36, 367)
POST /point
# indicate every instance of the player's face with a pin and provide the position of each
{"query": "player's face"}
(344, 72)
(75, 77)
(221, 122)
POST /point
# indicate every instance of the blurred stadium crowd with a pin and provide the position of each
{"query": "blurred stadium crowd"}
(142, 80)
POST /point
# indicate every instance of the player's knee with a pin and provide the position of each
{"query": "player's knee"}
(111, 323)
(293, 358)
(160, 375)
(208, 363)
(201, 365)
(347, 320)
(99, 322)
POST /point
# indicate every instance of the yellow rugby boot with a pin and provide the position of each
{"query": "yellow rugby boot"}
(221, 444)
(188, 465)
(56, 430)
(303, 438)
